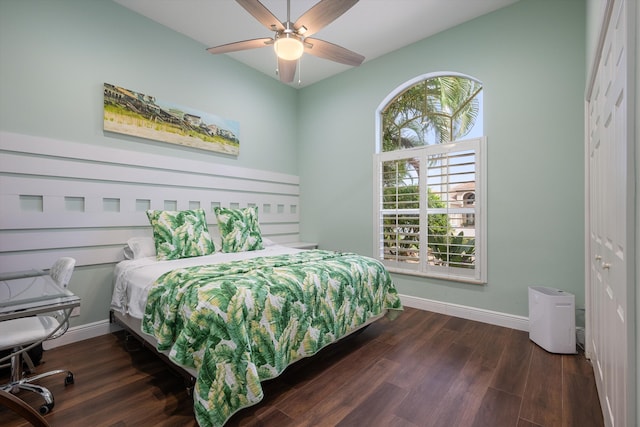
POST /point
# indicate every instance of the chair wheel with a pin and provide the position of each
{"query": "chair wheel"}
(46, 408)
(68, 379)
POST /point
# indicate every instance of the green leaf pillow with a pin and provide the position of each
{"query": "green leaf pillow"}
(180, 234)
(239, 229)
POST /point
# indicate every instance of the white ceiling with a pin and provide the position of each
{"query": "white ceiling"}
(371, 28)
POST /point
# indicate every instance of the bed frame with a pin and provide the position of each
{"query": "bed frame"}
(132, 327)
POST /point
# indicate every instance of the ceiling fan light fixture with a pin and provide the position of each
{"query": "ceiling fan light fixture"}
(288, 47)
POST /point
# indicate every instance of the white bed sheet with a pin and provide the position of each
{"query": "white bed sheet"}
(133, 278)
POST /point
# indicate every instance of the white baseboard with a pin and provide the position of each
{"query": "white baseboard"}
(82, 332)
(92, 330)
(465, 312)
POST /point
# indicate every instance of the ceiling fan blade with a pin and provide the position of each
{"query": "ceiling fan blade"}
(262, 14)
(243, 45)
(333, 52)
(322, 14)
(287, 70)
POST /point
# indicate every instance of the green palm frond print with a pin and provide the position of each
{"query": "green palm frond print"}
(180, 234)
(239, 229)
(243, 322)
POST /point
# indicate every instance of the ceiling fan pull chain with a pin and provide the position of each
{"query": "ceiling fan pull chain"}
(299, 71)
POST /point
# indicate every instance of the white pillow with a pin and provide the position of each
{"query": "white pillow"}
(139, 247)
(267, 242)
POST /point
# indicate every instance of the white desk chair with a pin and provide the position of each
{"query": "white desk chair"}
(19, 335)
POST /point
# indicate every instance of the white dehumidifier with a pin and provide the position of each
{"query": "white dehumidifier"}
(552, 319)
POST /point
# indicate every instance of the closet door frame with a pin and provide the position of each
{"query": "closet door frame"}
(610, 215)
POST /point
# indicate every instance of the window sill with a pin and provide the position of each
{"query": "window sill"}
(450, 278)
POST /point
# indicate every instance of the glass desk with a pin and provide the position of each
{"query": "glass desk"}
(26, 293)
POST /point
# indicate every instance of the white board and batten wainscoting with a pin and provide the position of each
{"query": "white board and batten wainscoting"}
(60, 198)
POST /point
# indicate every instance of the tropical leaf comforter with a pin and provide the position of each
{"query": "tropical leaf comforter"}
(242, 322)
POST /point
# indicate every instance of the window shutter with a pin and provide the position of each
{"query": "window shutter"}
(429, 204)
(400, 212)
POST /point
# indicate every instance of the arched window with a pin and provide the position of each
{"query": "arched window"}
(429, 177)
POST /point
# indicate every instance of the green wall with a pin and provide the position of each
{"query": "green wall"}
(531, 58)
(55, 56)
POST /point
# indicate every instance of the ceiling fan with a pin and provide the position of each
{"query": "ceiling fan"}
(291, 40)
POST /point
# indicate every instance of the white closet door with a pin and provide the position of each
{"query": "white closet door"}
(611, 328)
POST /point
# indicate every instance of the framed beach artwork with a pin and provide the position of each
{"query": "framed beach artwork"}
(134, 113)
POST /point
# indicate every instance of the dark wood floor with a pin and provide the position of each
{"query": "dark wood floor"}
(422, 369)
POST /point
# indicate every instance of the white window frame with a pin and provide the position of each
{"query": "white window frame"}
(422, 268)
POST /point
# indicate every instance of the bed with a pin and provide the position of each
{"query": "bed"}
(241, 314)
